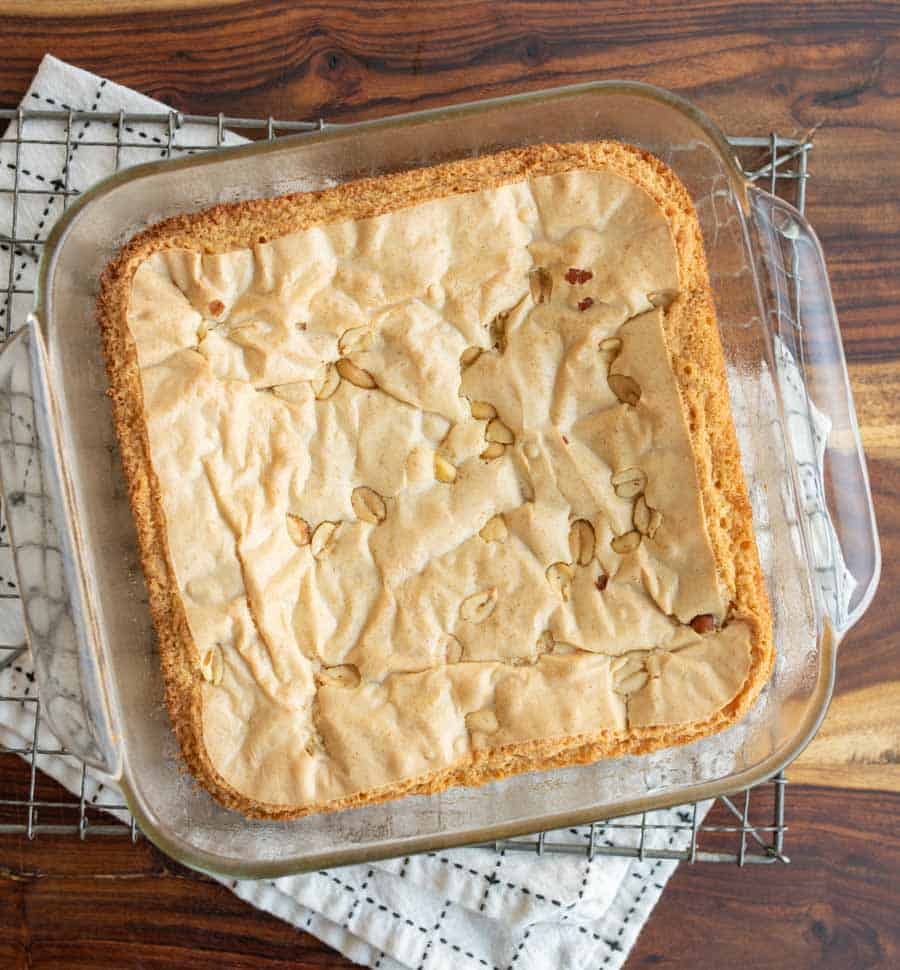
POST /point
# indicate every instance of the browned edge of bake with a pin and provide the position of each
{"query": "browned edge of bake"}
(697, 360)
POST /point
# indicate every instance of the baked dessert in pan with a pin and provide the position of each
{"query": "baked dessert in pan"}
(435, 478)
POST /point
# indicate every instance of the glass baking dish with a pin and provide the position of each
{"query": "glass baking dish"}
(85, 603)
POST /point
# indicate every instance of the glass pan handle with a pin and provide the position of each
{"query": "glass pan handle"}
(832, 479)
(59, 621)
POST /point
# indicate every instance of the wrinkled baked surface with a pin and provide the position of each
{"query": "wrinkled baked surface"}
(428, 491)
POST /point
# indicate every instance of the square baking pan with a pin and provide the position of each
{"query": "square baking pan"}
(74, 540)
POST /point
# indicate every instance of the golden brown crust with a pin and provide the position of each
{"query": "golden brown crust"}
(697, 360)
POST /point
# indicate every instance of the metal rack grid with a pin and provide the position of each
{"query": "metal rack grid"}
(745, 828)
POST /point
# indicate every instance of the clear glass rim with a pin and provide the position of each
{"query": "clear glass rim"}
(337, 131)
(205, 861)
(738, 781)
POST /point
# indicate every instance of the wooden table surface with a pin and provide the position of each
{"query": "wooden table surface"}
(755, 67)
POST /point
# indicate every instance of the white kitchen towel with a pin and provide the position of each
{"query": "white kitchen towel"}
(465, 908)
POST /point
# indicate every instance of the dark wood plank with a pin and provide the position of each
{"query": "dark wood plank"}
(754, 67)
(834, 906)
(171, 919)
(795, 64)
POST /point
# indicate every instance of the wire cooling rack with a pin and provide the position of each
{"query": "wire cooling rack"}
(745, 828)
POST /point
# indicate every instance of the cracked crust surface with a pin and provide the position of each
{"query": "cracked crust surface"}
(547, 619)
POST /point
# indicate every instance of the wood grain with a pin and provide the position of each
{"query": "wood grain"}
(876, 392)
(126, 906)
(833, 908)
(754, 67)
(858, 746)
(104, 8)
